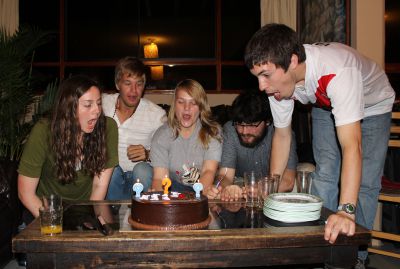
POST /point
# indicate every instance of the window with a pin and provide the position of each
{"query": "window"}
(203, 39)
(392, 43)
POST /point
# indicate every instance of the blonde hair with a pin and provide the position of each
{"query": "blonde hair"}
(130, 66)
(209, 127)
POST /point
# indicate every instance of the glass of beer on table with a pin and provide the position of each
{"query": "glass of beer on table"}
(51, 215)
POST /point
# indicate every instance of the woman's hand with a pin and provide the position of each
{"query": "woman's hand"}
(212, 192)
(27, 194)
(100, 184)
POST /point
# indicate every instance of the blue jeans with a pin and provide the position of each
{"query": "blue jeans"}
(120, 187)
(327, 154)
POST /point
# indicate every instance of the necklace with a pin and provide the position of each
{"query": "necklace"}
(115, 111)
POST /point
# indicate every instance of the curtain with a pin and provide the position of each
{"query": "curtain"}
(279, 11)
(9, 16)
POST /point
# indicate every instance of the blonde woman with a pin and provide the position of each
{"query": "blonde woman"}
(188, 147)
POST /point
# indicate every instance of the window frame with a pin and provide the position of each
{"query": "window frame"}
(218, 62)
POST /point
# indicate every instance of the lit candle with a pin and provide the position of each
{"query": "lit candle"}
(166, 182)
(138, 188)
(197, 187)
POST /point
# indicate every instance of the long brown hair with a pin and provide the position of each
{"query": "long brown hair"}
(66, 131)
(209, 127)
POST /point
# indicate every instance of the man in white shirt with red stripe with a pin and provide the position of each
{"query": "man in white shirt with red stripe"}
(351, 118)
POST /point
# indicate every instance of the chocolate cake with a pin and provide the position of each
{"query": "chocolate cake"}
(175, 211)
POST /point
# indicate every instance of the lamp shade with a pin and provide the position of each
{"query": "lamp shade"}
(151, 50)
(157, 72)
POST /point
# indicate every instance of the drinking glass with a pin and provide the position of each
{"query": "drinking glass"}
(253, 218)
(251, 179)
(51, 215)
(277, 181)
(266, 186)
(303, 181)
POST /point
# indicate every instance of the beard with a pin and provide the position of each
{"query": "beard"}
(256, 140)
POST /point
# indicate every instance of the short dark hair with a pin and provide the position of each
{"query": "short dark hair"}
(131, 66)
(274, 43)
(251, 106)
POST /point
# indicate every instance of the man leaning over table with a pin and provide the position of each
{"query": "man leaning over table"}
(137, 119)
(247, 142)
(351, 119)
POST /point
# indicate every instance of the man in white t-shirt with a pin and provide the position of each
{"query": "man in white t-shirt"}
(137, 119)
(351, 118)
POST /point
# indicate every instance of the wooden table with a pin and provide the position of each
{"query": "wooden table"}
(215, 247)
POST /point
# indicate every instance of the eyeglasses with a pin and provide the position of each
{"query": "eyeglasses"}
(252, 126)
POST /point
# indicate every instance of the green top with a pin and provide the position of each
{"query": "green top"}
(38, 162)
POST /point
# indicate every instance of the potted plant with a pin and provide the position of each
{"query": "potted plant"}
(19, 107)
(16, 87)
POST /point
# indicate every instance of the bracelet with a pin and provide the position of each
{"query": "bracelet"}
(147, 153)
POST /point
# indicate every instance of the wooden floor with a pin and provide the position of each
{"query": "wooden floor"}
(383, 262)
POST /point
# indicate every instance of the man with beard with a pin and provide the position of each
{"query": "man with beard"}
(247, 142)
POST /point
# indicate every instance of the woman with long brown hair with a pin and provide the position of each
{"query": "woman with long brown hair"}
(72, 153)
(188, 147)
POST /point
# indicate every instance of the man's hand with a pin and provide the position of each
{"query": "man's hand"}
(339, 223)
(137, 153)
(231, 193)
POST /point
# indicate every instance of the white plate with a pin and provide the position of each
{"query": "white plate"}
(292, 207)
(293, 201)
(294, 198)
(291, 218)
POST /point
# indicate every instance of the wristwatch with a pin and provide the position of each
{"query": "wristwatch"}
(348, 208)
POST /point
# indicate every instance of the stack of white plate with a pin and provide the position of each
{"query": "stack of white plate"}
(292, 207)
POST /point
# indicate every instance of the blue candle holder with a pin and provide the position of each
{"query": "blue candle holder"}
(137, 188)
(197, 187)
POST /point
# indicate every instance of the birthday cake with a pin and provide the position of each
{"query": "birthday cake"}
(172, 211)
